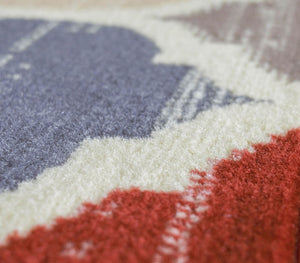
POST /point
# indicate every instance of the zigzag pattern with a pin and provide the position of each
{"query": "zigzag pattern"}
(149, 132)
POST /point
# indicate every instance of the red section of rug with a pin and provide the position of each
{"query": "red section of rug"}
(254, 207)
(253, 216)
(125, 227)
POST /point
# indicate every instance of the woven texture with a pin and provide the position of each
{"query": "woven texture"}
(149, 131)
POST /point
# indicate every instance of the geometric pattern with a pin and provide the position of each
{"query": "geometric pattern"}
(101, 93)
(154, 131)
(131, 225)
(261, 27)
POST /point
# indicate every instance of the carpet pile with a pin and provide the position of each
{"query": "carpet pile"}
(149, 131)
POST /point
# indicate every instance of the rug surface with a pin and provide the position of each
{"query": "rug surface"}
(149, 131)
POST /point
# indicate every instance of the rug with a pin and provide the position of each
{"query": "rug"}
(149, 131)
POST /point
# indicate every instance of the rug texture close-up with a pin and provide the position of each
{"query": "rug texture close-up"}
(149, 131)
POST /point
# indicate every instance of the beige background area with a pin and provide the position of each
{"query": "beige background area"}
(85, 4)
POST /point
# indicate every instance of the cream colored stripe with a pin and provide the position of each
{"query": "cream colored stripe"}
(173, 110)
(229, 66)
(146, 7)
(162, 161)
(158, 163)
(34, 36)
(176, 236)
(27, 41)
(86, 4)
(197, 95)
(5, 59)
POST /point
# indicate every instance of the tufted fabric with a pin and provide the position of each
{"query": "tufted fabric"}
(149, 131)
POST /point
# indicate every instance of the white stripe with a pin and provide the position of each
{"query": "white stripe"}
(174, 107)
(93, 29)
(25, 66)
(158, 163)
(182, 229)
(34, 36)
(75, 28)
(5, 59)
(220, 95)
(179, 104)
(198, 95)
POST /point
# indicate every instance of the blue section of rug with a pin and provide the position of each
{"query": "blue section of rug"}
(82, 85)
